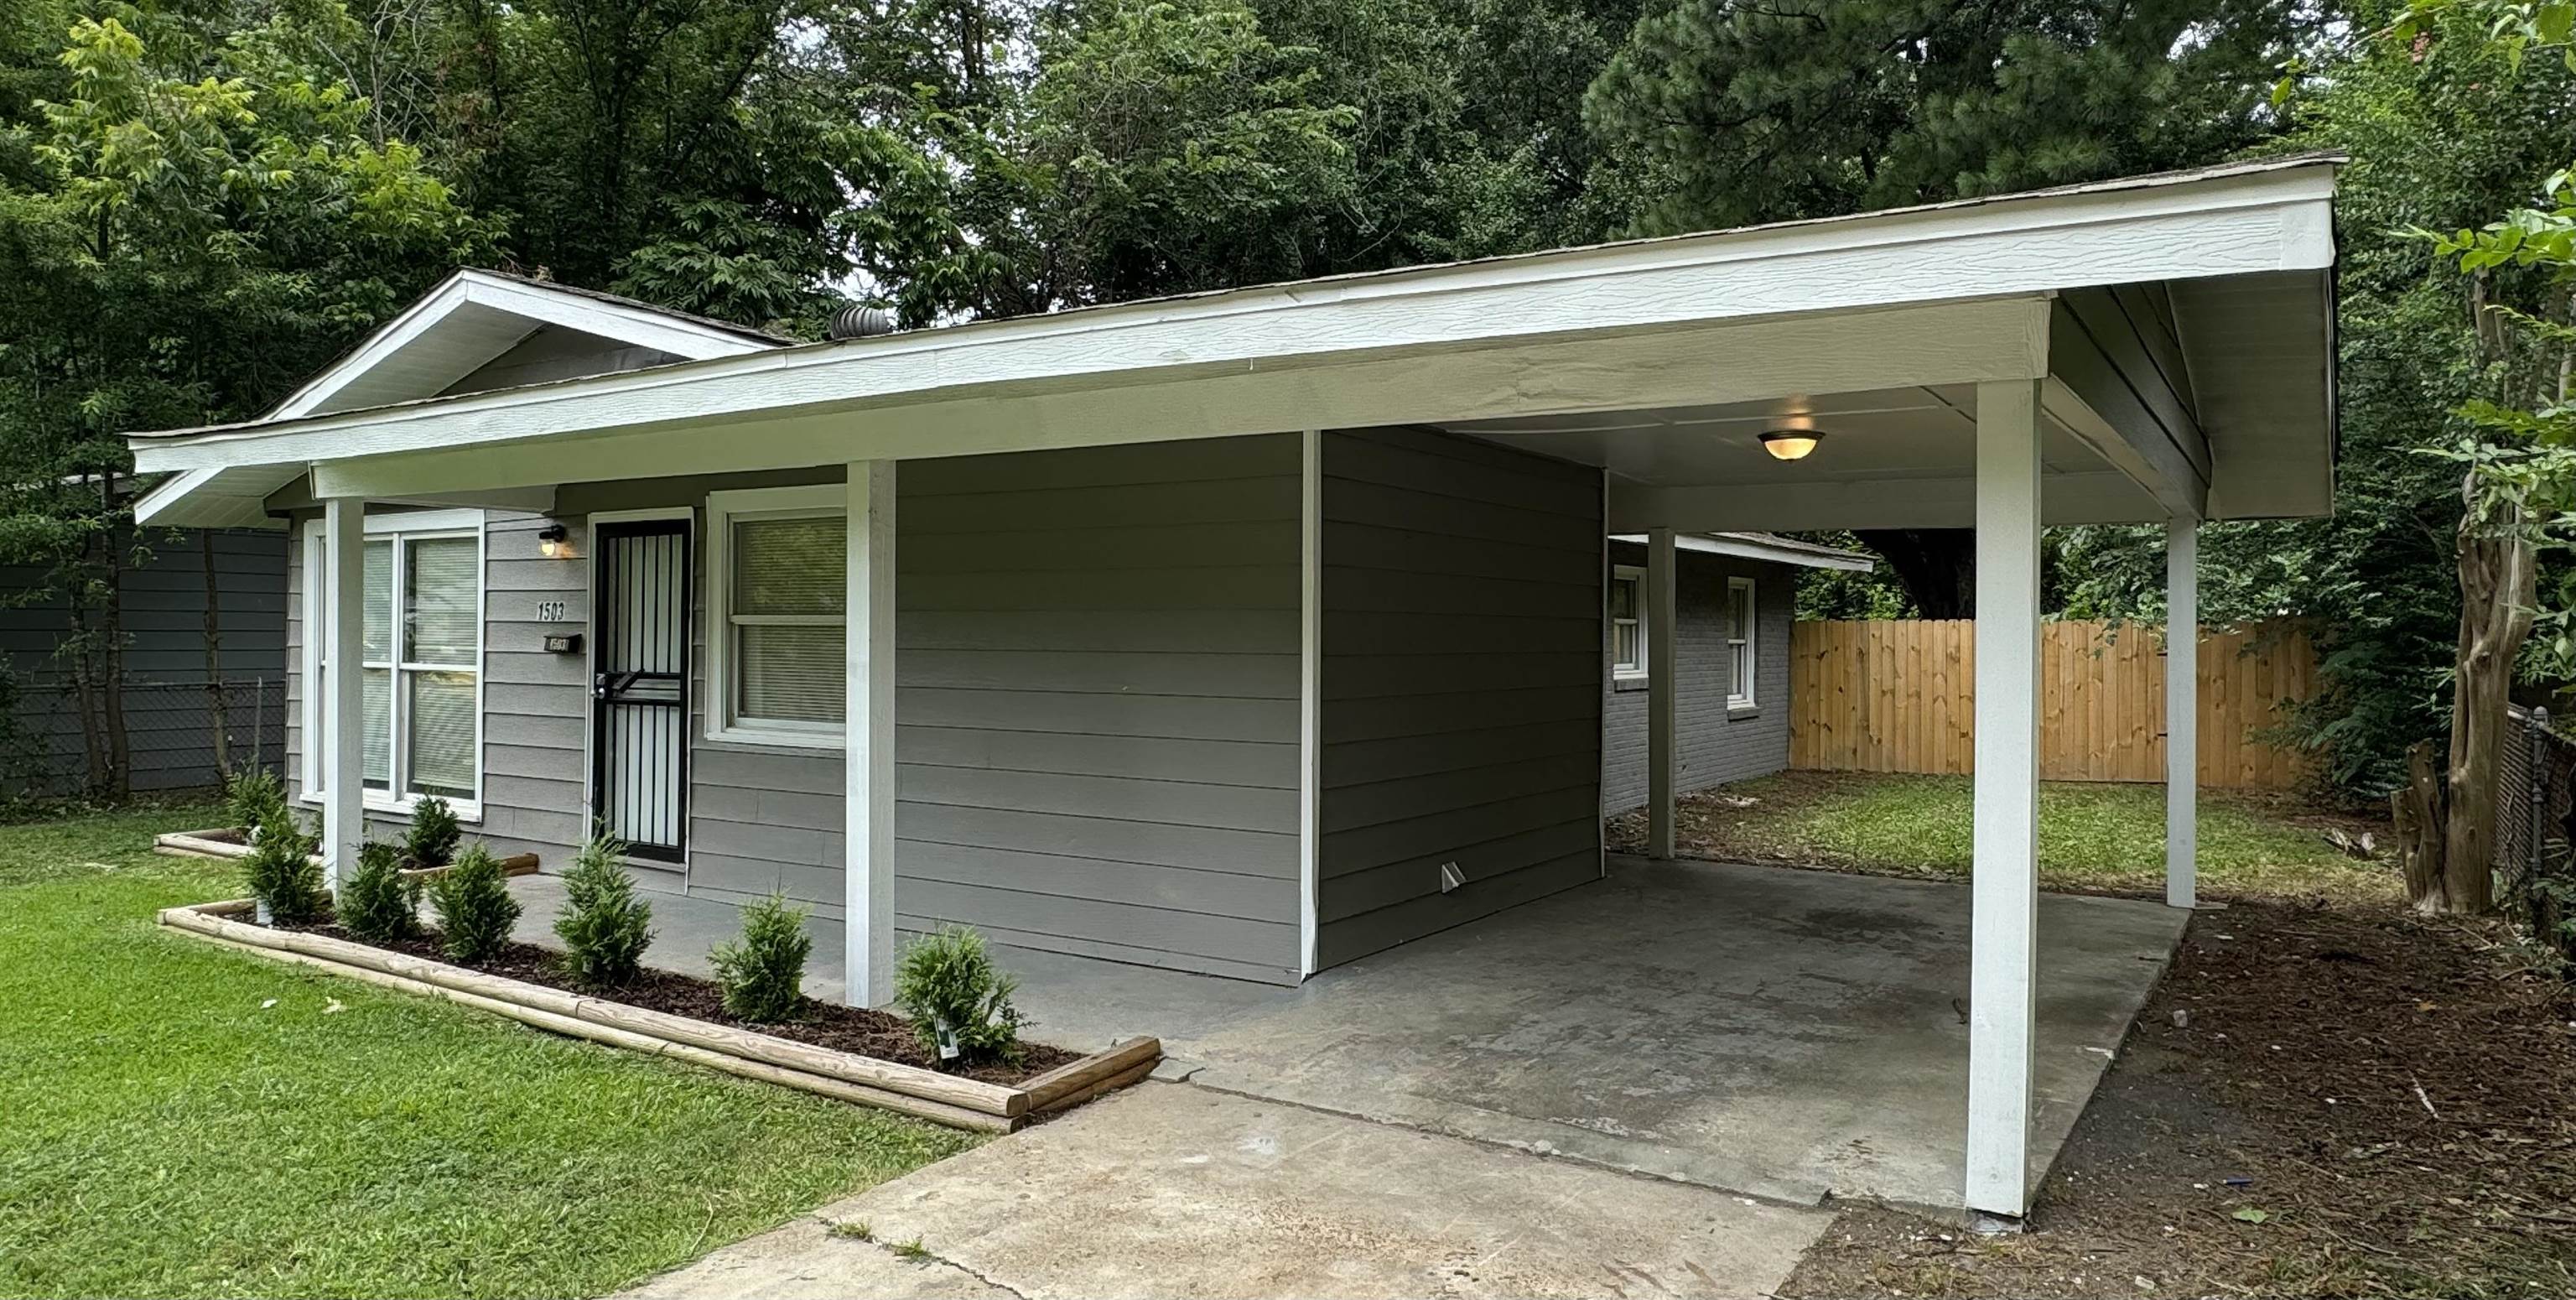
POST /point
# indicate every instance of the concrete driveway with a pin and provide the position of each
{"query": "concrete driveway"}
(1171, 1190)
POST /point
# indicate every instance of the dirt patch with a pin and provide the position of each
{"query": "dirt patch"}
(859, 1030)
(2315, 1102)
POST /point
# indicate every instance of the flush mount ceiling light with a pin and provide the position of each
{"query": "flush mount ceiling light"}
(1791, 444)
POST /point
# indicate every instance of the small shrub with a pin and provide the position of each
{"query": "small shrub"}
(763, 976)
(475, 910)
(434, 833)
(959, 1002)
(282, 874)
(254, 797)
(377, 902)
(605, 927)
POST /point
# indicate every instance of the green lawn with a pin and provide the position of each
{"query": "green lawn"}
(2092, 837)
(180, 1120)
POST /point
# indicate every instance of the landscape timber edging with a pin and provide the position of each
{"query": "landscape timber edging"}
(889, 1085)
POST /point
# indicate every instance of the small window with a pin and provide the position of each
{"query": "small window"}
(1628, 622)
(780, 600)
(1742, 615)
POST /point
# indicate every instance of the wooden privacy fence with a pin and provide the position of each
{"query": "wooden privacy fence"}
(1901, 696)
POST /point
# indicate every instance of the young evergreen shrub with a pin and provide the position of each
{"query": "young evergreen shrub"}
(763, 976)
(434, 833)
(959, 1002)
(377, 902)
(605, 926)
(282, 874)
(253, 797)
(475, 910)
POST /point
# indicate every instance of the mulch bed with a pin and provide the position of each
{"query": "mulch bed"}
(2348, 1104)
(860, 1030)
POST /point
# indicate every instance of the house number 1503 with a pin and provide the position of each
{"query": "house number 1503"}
(550, 611)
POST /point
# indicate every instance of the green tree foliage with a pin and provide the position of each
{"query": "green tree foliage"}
(434, 833)
(1760, 112)
(191, 220)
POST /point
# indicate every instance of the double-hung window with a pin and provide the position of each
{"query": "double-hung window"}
(420, 658)
(778, 606)
(1742, 615)
(1628, 623)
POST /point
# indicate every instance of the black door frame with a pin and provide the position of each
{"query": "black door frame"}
(606, 686)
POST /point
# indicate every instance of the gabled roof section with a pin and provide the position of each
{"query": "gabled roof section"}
(473, 319)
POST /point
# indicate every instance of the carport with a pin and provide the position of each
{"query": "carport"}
(1427, 463)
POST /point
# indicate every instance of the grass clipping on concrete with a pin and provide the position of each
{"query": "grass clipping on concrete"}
(2093, 837)
(188, 1121)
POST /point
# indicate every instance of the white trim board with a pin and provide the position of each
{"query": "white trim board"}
(1770, 550)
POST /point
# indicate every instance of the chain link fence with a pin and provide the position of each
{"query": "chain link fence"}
(169, 734)
(2535, 864)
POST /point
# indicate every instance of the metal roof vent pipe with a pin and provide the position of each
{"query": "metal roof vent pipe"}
(859, 321)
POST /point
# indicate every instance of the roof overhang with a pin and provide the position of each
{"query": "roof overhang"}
(1959, 293)
(469, 320)
(1766, 548)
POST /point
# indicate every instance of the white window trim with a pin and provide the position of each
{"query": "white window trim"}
(1630, 573)
(417, 523)
(816, 501)
(1744, 645)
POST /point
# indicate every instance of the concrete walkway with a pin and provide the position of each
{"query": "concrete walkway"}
(1173, 1191)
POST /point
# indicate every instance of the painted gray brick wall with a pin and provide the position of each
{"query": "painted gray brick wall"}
(1716, 745)
(1462, 706)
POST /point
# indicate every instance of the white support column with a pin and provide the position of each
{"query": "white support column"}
(2182, 712)
(2003, 956)
(868, 758)
(1310, 705)
(344, 748)
(1662, 701)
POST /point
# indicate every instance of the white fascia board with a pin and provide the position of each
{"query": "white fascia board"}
(2236, 223)
(215, 498)
(1729, 361)
(1782, 551)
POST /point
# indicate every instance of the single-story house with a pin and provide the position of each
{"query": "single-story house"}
(1247, 632)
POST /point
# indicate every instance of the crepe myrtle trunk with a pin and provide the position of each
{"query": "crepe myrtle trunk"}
(2497, 571)
(1938, 566)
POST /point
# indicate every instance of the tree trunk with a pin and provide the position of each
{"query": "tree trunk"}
(215, 718)
(1938, 566)
(2497, 564)
(2417, 809)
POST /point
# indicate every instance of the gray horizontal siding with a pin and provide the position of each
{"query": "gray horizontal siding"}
(1461, 712)
(1097, 699)
(1714, 744)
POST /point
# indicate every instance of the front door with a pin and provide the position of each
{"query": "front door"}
(640, 684)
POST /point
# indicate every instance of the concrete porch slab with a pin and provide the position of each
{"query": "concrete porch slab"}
(1781, 1032)
(1171, 1191)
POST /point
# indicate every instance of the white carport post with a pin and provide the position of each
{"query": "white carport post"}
(2182, 712)
(2003, 935)
(867, 843)
(1663, 720)
(344, 747)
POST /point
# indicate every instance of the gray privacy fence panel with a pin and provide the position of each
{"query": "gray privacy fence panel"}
(169, 729)
(2535, 865)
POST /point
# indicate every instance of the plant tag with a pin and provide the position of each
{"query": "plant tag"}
(948, 1050)
(260, 913)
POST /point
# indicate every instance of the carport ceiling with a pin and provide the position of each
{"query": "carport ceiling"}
(1917, 442)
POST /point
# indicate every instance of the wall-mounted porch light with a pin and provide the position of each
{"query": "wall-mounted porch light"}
(554, 541)
(1791, 444)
